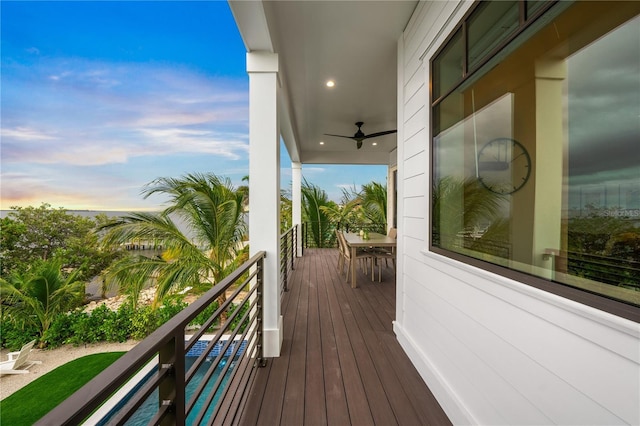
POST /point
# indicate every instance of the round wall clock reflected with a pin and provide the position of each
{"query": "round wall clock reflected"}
(504, 166)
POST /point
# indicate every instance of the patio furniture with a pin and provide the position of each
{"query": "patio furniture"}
(386, 254)
(375, 241)
(18, 362)
(350, 256)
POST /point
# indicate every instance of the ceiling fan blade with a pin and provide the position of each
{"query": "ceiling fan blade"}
(374, 135)
(340, 136)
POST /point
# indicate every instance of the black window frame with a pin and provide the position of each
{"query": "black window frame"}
(583, 296)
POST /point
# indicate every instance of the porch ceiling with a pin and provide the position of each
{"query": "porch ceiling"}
(353, 43)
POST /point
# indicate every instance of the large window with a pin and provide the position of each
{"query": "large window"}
(536, 144)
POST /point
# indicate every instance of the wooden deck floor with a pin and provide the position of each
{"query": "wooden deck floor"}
(341, 363)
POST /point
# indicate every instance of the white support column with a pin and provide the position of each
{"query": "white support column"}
(296, 201)
(264, 187)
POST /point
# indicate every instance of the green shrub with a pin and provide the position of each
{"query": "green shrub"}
(169, 310)
(143, 321)
(62, 328)
(88, 328)
(205, 315)
(102, 324)
(117, 328)
(238, 318)
(14, 334)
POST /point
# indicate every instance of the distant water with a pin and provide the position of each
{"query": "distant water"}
(85, 213)
(109, 213)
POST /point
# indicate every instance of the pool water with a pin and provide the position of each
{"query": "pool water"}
(150, 407)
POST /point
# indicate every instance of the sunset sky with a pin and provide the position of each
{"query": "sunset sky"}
(100, 98)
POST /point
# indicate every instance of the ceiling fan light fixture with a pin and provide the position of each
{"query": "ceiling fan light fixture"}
(359, 136)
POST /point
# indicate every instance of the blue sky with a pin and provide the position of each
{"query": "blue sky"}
(100, 98)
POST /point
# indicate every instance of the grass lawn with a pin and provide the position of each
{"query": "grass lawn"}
(29, 404)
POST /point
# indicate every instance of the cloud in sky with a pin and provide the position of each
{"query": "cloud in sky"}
(100, 98)
(103, 112)
(91, 113)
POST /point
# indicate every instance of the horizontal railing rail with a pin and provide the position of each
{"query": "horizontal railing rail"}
(322, 234)
(609, 270)
(225, 351)
(288, 245)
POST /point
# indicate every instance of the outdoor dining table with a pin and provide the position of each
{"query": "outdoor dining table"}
(355, 241)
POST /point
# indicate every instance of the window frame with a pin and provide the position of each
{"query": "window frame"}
(583, 296)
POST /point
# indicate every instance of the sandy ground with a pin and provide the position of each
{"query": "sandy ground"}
(52, 358)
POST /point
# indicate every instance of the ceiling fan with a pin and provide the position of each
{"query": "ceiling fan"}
(359, 136)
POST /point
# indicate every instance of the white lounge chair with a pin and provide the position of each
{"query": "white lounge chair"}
(18, 362)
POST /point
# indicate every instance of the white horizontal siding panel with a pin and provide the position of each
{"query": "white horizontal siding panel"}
(412, 68)
(415, 186)
(414, 82)
(419, 227)
(414, 32)
(414, 124)
(413, 241)
(414, 166)
(414, 207)
(416, 104)
(416, 144)
(498, 401)
(430, 20)
(600, 381)
(456, 307)
(442, 348)
(437, 28)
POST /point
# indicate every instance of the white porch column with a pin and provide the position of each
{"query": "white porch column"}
(296, 202)
(264, 186)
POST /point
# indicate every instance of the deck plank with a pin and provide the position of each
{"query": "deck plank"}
(340, 363)
(336, 398)
(315, 400)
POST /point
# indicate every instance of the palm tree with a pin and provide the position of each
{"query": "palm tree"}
(459, 206)
(313, 200)
(208, 250)
(38, 296)
(374, 202)
(348, 211)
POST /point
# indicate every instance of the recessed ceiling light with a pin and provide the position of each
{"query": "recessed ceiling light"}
(321, 143)
(375, 143)
(331, 83)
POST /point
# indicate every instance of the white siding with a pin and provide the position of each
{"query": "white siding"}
(494, 351)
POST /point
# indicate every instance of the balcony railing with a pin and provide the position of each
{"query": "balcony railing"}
(615, 271)
(219, 379)
(323, 235)
(287, 256)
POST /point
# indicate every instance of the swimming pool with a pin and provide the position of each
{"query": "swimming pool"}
(150, 407)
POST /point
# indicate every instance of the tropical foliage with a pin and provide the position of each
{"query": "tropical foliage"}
(461, 206)
(319, 226)
(35, 298)
(373, 199)
(211, 211)
(31, 235)
(366, 208)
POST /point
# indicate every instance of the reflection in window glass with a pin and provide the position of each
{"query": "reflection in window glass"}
(533, 6)
(448, 68)
(536, 161)
(603, 176)
(490, 25)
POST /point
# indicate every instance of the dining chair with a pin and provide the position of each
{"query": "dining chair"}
(386, 255)
(361, 255)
